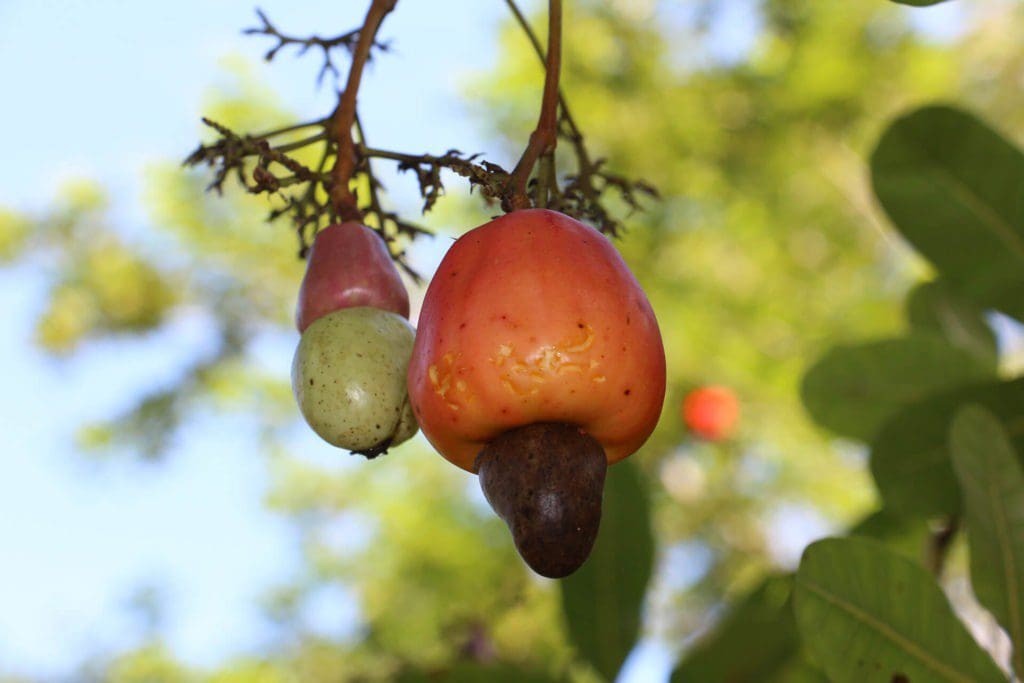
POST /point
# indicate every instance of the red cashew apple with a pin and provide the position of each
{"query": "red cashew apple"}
(349, 266)
(537, 363)
(711, 412)
(349, 372)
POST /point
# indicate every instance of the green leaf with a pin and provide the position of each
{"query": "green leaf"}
(604, 599)
(760, 626)
(936, 307)
(471, 673)
(868, 614)
(853, 389)
(904, 535)
(955, 189)
(910, 456)
(992, 481)
(798, 670)
(918, 3)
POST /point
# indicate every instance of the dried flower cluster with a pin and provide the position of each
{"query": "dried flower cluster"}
(265, 163)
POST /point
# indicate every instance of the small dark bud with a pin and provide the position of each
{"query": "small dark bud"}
(546, 481)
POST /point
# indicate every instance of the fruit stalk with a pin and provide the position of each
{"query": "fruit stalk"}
(344, 201)
(575, 134)
(545, 136)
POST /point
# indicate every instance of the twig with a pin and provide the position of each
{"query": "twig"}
(306, 211)
(230, 153)
(386, 218)
(346, 41)
(315, 197)
(367, 167)
(545, 135)
(231, 150)
(344, 201)
(490, 178)
(582, 195)
(539, 50)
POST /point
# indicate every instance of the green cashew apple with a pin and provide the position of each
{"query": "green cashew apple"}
(348, 376)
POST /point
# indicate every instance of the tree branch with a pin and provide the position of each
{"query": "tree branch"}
(344, 201)
(545, 136)
(346, 41)
(583, 192)
(229, 153)
(314, 197)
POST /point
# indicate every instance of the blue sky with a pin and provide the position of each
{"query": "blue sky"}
(101, 89)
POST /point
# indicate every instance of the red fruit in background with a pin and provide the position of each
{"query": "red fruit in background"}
(535, 318)
(711, 412)
(348, 266)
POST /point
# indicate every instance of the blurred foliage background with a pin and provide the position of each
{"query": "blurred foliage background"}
(766, 249)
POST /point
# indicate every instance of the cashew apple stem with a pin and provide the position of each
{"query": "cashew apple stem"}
(545, 137)
(546, 481)
(344, 117)
(575, 135)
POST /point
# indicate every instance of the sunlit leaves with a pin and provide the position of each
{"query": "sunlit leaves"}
(14, 230)
(435, 570)
(149, 664)
(866, 613)
(111, 289)
(228, 243)
(992, 479)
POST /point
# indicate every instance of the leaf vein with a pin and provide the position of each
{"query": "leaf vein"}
(963, 193)
(1009, 571)
(888, 632)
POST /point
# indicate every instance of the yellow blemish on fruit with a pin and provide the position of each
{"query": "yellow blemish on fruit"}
(546, 362)
(588, 341)
(441, 379)
(504, 352)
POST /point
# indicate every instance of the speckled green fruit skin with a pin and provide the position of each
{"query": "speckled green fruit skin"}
(348, 376)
